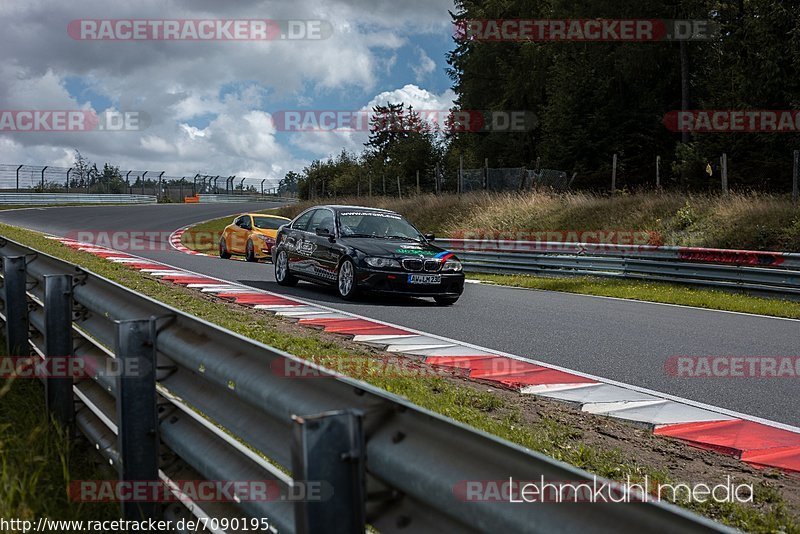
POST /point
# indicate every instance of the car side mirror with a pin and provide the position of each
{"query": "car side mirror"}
(429, 237)
(324, 232)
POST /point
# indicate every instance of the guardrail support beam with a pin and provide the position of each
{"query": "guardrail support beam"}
(58, 347)
(16, 306)
(137, 418)
(328, 454)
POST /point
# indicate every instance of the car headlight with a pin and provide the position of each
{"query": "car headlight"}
(452, 265)
(267, 239)
(382, 263)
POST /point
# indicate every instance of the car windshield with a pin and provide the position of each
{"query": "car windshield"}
(376, 224)
(268, 223)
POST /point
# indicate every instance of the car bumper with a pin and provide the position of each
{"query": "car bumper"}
(396, 282)
(263, 251)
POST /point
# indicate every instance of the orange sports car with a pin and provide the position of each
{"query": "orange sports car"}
(250, 235)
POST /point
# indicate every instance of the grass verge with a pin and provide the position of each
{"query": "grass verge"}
(38, 461)
(551, 428)
(651, 292)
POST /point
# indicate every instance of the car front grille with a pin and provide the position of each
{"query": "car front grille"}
(432, 266)
(413, 265)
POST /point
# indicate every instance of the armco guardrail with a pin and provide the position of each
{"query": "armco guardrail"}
(73, 198)
(210, 398)
(752, 270)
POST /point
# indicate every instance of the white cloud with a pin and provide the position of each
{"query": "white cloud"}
(178, 84)
(327, 143)
(423, 66)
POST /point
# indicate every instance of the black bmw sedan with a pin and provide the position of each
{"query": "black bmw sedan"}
(365, 249)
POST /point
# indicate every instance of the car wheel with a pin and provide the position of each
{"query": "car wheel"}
(223, 250)
(445, 301)
(346, 280)
(249, 252)
(282, 274)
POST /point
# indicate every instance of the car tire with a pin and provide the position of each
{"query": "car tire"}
(249, 252)
(445, 301)
(223, 250)
(346, 280)
(282, 274)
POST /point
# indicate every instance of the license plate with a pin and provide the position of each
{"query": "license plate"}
(424, 279)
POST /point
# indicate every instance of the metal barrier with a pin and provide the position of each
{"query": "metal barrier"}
(752, 270)
(73, 198)
(206, 404)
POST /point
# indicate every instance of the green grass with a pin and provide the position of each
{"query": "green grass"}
(38, 461)
(651, 292)
(480, 409)
(204, 237)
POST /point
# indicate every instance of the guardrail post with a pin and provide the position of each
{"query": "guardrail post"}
(58, 346)
(328, 449)
(795, 174)
(16, 306)
(137, 418)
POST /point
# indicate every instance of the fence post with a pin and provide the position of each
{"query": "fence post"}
(436, 180)
(16, 306)
(399, 192)
(18, 168)
(460, 186)
(137, 417)
(614, 174)
(369, 177)
(658, 172)
(795, 173)
(58, 347)
(486, 173)
(44, 169)
(328, 452)
(724, 172)
(418, 181)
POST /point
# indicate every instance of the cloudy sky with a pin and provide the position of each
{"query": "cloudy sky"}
(208, 105)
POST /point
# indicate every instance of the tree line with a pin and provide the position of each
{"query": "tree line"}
(592, 100)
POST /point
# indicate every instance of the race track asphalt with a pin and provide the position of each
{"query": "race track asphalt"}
(621, 340)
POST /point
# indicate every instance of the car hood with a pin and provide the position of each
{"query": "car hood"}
(393, 248)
